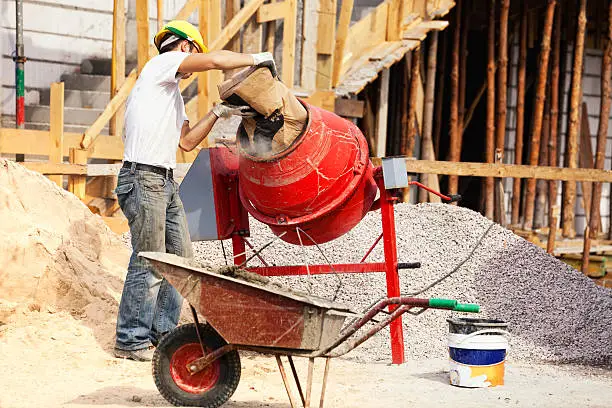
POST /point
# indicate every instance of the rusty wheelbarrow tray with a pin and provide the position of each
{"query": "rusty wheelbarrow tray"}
(267, 319)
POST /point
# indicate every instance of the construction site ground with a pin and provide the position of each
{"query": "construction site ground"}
(53, 359)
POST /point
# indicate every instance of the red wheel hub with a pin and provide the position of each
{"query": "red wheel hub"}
(197, 383)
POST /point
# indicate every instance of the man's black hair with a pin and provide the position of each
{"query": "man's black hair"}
(173, 44)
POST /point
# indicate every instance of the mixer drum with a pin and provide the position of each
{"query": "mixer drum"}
(322, 183)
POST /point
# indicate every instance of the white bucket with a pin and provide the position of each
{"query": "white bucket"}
(477, 359)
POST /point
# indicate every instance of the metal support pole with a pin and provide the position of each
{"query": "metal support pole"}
(393, 284)
(19, 73)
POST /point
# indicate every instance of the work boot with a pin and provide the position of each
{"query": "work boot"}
(145, 354)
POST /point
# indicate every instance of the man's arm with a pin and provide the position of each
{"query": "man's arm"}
(191, 137)
(222, 59)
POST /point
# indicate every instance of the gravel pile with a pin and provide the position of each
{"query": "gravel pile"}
(555, 313)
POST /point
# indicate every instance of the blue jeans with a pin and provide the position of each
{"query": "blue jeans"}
(149, 305)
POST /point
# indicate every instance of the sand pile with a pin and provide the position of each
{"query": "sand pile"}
(54, 253)
(555, 313)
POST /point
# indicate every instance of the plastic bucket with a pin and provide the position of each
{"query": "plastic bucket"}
(477, 352)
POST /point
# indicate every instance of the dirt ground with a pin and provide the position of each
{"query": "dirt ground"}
(54, 359)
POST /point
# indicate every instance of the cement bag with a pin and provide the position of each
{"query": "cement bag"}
(281, 117)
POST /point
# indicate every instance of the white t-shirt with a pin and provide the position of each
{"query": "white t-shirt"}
(155, 113)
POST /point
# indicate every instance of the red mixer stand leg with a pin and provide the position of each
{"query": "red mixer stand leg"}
(393, 284)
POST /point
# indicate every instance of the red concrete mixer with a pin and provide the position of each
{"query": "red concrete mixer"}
(323, 184)
(314, 188)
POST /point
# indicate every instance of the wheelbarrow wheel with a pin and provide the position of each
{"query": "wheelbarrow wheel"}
(211, 387)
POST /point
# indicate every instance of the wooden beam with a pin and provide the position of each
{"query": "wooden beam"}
(272, 12)
(38, 142)
(569, 191)
(94, 130)
(602, 129)
(252, 37)
(160, 14)
(187, 10)
(554, 118)
(502, 75)
(118, 63)
(309, 45)
(430, 180)
(504, 170)
(520, 114)
(57, 169)
(142, 31)
(394, 20)
(585, 160)
(289, 34)
(231, 9)
(77, 184)
(326, 34)
(381, 114)
(455, 149)
(346, 12)
(56, 124)
(349, 108)
(408, 139)
(538, 111)
(203, 81)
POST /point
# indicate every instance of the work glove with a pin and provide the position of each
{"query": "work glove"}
(265, 59)
(225, 110)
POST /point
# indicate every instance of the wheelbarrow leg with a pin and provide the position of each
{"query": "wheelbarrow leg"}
(286, 382)
(324, 382)
(309, 382)
(297, 380)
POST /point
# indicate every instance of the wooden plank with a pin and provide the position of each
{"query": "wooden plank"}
(187, 10)
(231, 9)
(394, 20)
(56, 168)
(160, 14)
(436, 25)
(504, 170)
(56, 125)
(38, 142)
(309, 45)
(327, 27)
(77, 184)
(381, 115)
(569, 189)
(142, 31)
(349, 108)
(341, 39)
(94, 130)
(118, 63)
(289, 34)
(586, 159)
(272, 11)
(326, 34)
(417, 33)
(252, 37)
(203, 78)
(428, 153)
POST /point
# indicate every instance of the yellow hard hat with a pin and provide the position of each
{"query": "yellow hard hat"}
(182, 29)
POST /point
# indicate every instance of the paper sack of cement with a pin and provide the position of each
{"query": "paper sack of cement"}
(280, 118)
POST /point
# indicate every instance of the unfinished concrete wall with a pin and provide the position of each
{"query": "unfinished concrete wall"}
(58, 35)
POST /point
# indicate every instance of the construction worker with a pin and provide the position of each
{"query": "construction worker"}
(155, 125)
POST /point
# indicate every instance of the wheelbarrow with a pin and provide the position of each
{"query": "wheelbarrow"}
(198, 364)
